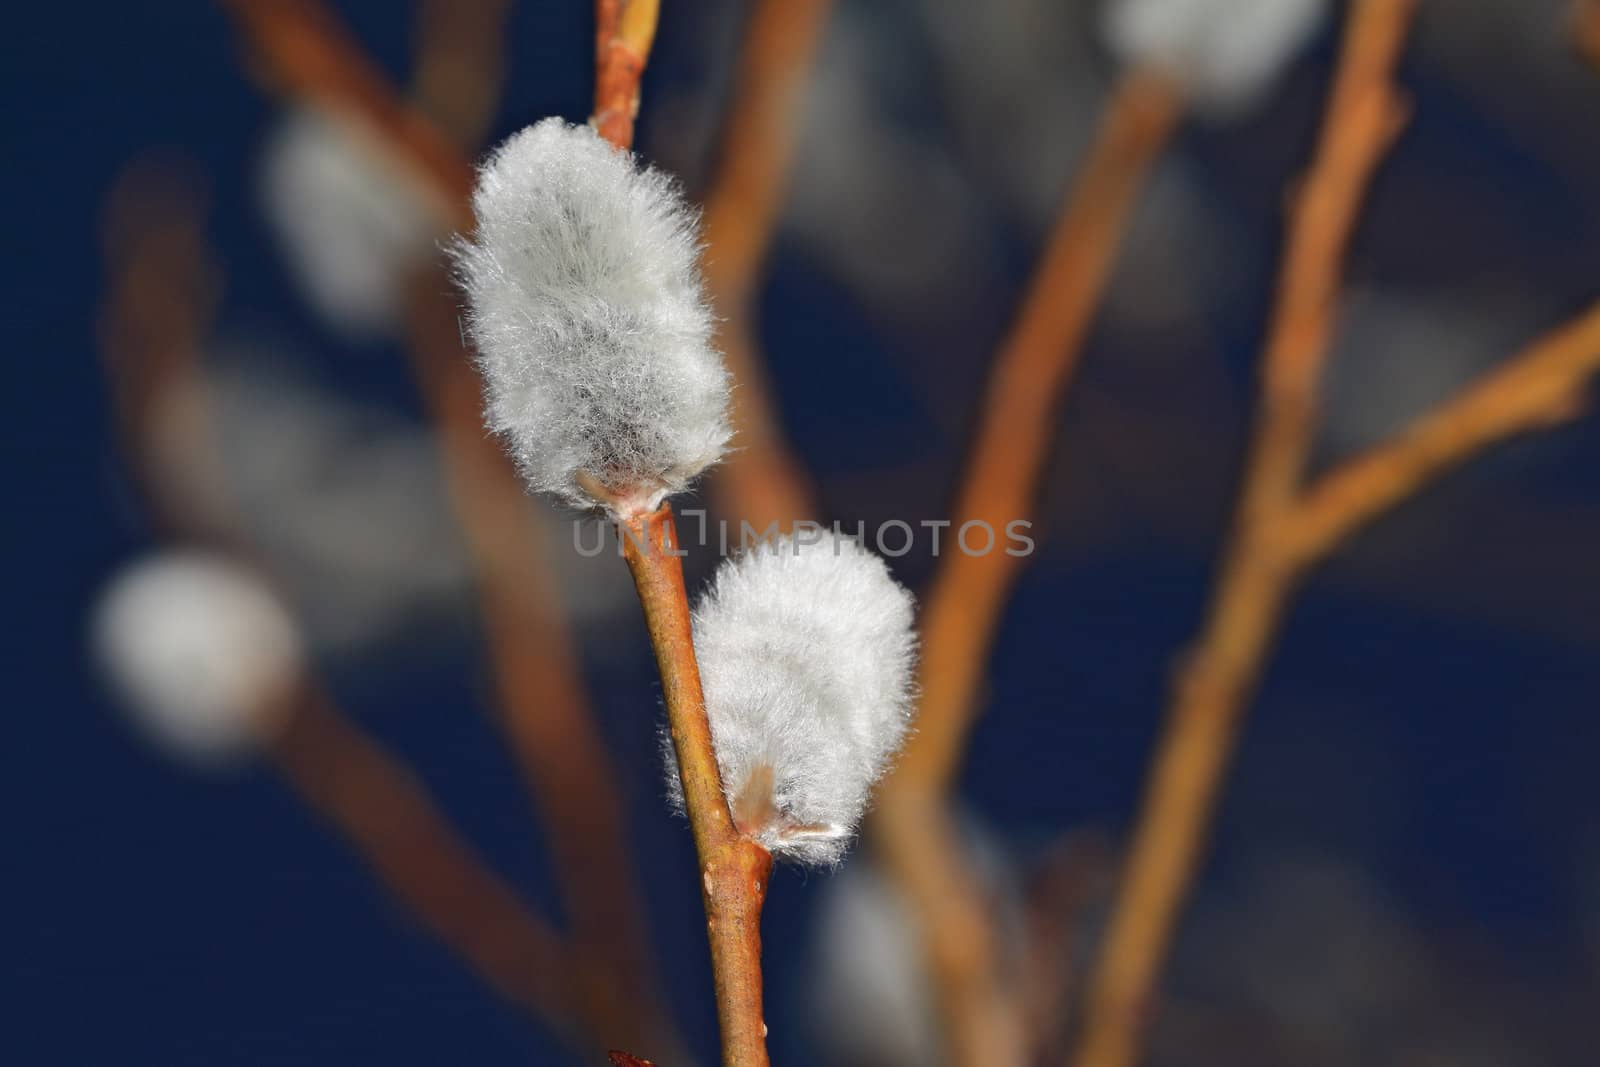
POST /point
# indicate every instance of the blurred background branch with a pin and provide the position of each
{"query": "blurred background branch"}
(763, 481)
(155, 327)
(912, 825)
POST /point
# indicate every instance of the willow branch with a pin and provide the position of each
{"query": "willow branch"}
(734, 869)
(624, 31)
(911, 824)
(1539, 387)
(762, 482)
(1364, 115)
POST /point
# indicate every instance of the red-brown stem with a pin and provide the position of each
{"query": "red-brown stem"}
(624, 30)
(734, 869)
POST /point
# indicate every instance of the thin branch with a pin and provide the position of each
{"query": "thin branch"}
(762, 482)
(734, 869)
(624, 31)
(1539, 387)
(911, 825)
(1364, 116)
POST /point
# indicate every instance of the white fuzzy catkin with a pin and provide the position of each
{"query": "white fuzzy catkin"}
(353, 229)
(806, 653)
(197, 648)
(593, 334)
(1223, 53)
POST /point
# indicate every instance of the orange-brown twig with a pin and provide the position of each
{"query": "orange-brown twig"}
(152, 331)
(911, 825)
(761, 482)
(1364, 115)
(734, 869)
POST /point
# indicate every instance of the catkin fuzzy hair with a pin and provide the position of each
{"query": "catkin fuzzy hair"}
(199, 651)
(1223, 53)
(806, 653)
(593, 334)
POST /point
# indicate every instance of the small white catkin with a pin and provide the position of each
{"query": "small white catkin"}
(592, 330)
(1223, 53)
(806, 652)
(197, 648)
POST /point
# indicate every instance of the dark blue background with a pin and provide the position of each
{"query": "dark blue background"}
(1443, 747)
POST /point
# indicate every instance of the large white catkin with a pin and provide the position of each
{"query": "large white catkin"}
(592, 330)
(1223, 53)
(806, 652)
(197, 649)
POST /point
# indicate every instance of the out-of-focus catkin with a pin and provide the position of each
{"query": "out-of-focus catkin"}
(1223, 54)
(200, 651)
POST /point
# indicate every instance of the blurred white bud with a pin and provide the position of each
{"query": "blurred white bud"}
(806, 653)
(868, 978)
(200, 651)
(870, 984)
(1398, 353)
(593, 334)
(346, 500)
(352, 228)
(1223, 53)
